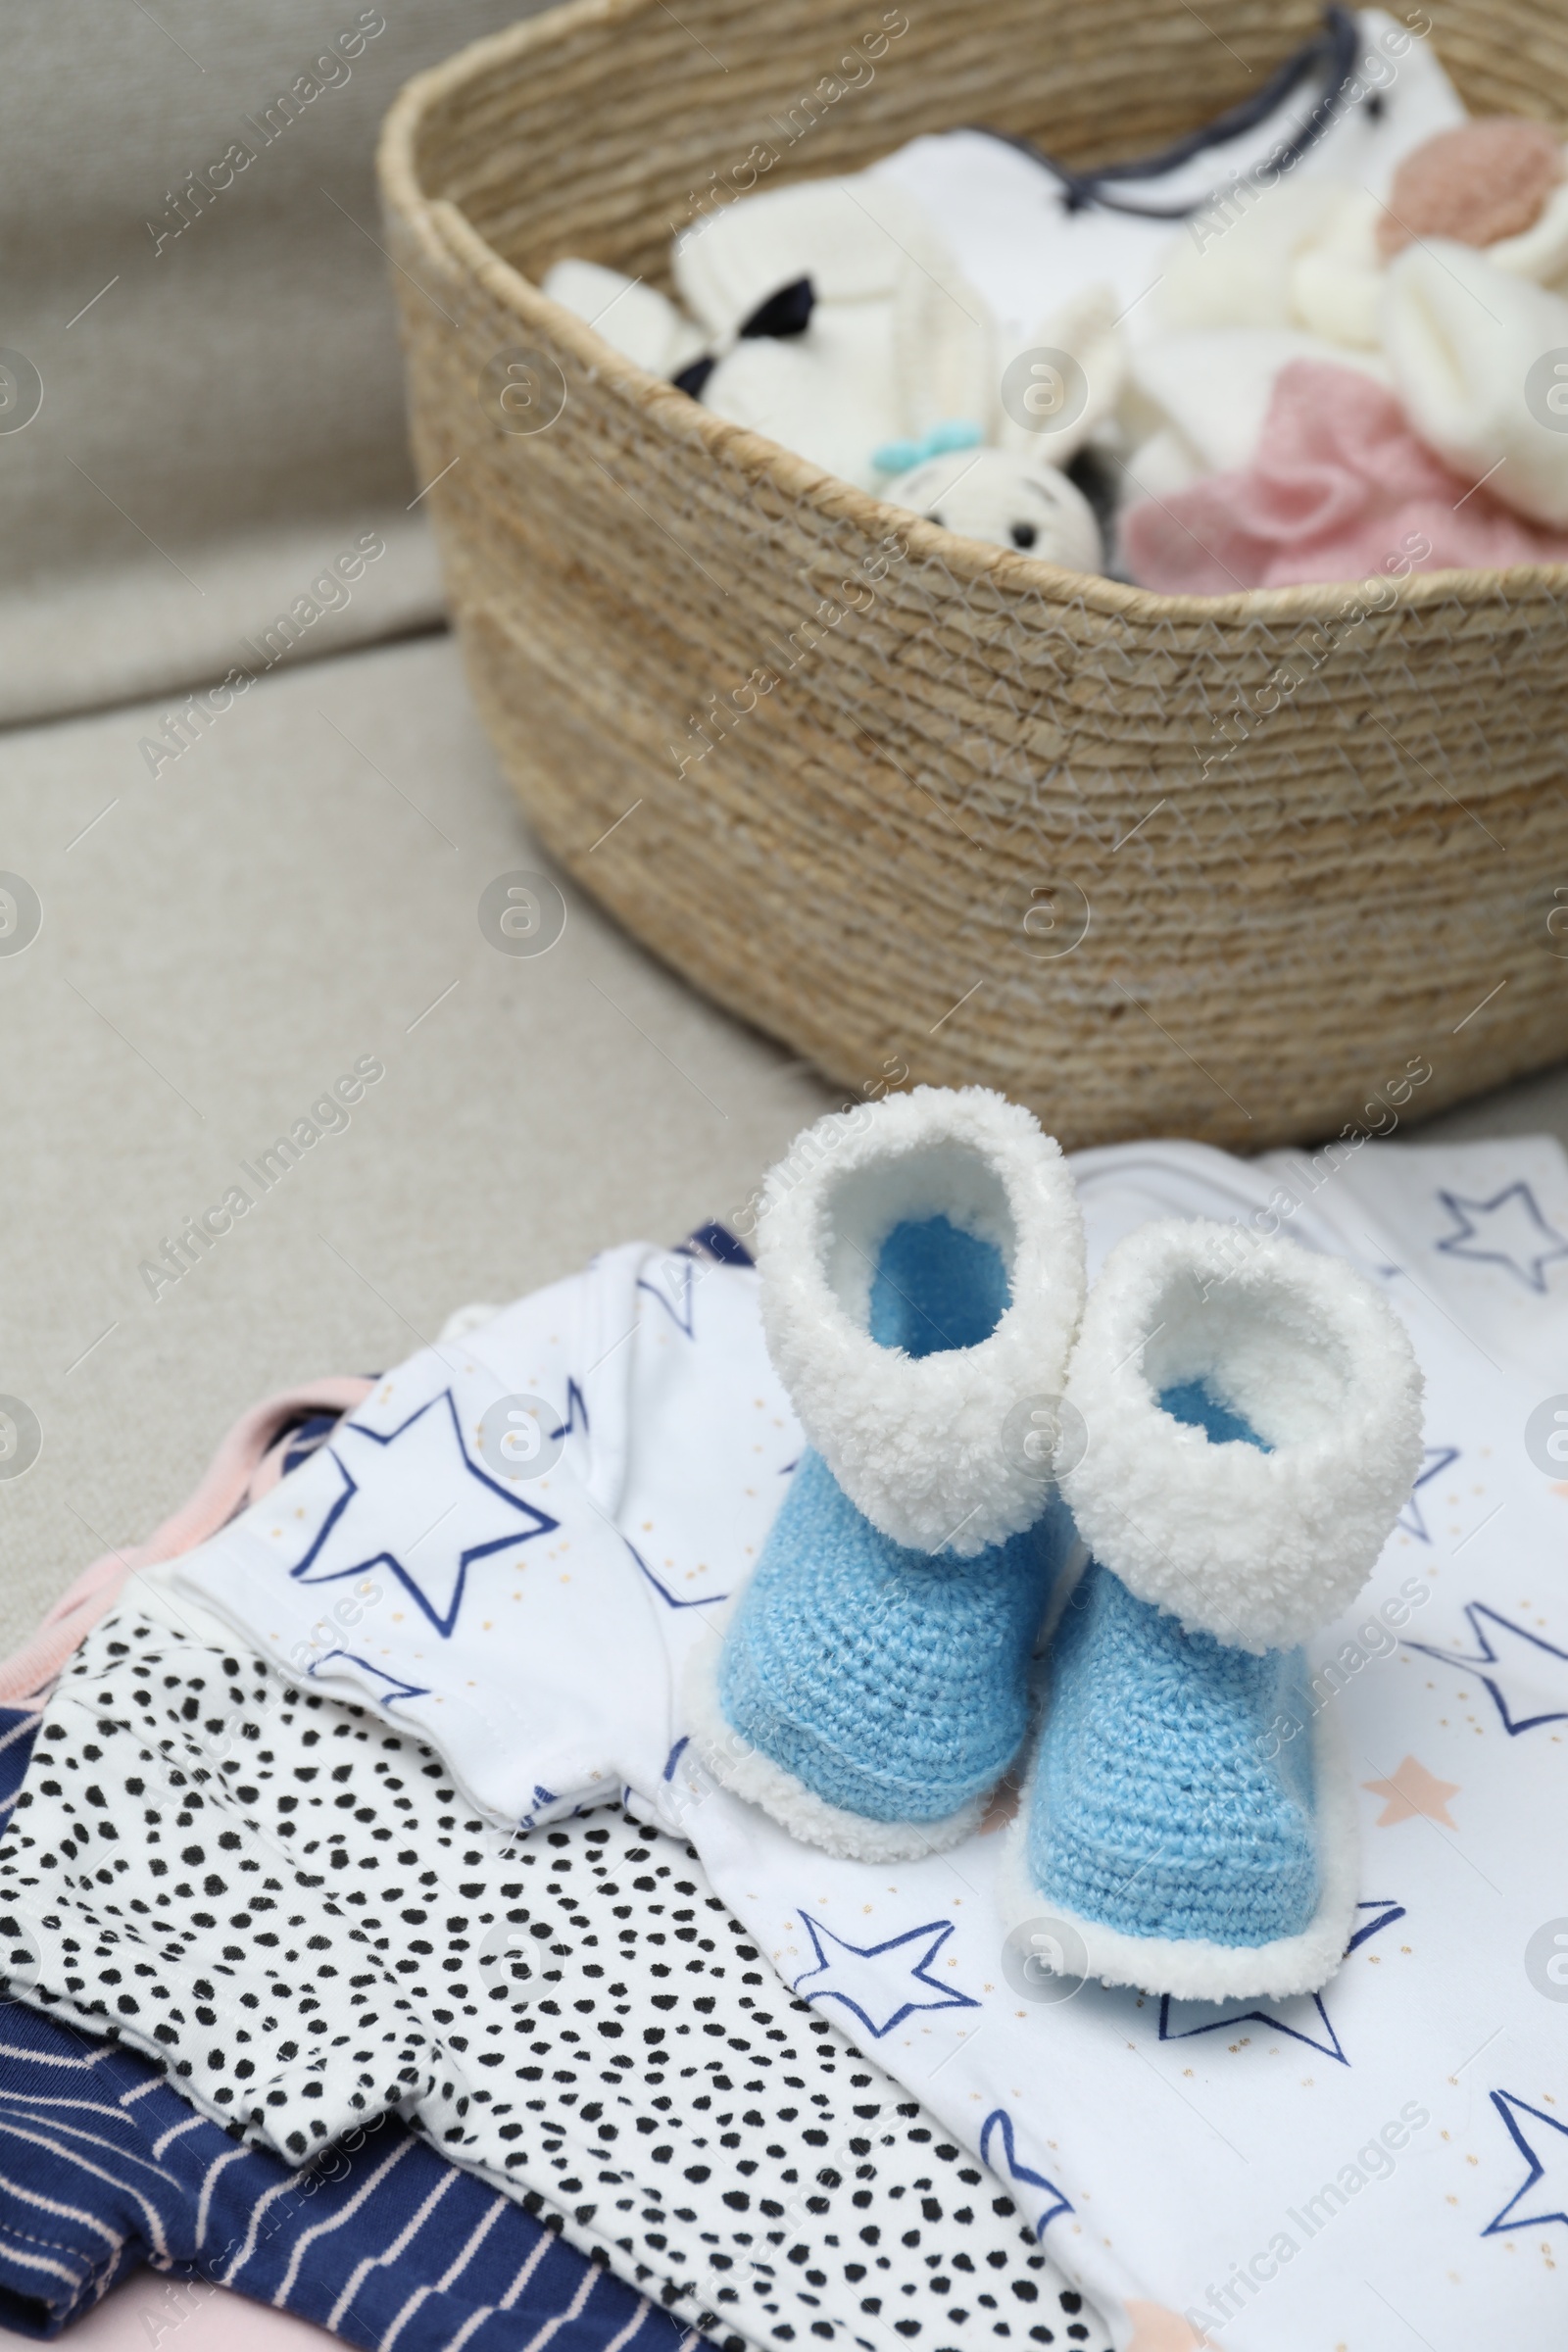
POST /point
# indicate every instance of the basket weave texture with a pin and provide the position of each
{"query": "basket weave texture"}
(1222, 867)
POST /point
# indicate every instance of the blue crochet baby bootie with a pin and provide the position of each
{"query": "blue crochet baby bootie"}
(1253, 1417)
(922, 1276)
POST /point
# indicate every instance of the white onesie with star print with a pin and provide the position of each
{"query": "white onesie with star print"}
(1173, 2157)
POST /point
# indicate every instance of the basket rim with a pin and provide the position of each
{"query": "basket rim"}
(451, 239)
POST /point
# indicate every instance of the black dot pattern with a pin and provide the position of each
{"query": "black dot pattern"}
(289, 1905)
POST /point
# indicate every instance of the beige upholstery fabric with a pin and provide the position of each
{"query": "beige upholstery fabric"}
(218, 409)
(298, 892)
(224, 934)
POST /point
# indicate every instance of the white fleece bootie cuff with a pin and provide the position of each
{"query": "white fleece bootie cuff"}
(923, 1446)
(1259, 1549)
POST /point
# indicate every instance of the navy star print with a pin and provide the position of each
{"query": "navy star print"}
(1508, 1230)
(871, 1992)
(352, 1539)
(1518, 1717)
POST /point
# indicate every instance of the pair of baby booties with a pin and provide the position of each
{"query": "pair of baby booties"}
(1178, 1481)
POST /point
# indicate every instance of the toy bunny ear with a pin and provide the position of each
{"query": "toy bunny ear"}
(639, 322)
(943, 338)
(824, 394)
(845, 236)
(1053, 410)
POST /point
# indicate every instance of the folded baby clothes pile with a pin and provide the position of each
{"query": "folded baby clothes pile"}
(981, 335)
(1461, 462)
(1190, 2044)
(1340, 489)
(571, 2015)
(104, 2167)
(314, 1941)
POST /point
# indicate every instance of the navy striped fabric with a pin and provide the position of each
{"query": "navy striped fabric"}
(103, 2166)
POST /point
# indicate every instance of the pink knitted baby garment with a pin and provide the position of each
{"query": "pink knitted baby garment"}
(1339, 489)
(247, 1466)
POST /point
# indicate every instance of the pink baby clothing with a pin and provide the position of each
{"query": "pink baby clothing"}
(248, 1462)
(1340, 489)
(148, 2309)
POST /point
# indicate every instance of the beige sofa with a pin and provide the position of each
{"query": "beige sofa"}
(293, 884)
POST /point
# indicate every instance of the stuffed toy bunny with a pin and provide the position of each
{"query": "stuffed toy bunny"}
(1008, 497)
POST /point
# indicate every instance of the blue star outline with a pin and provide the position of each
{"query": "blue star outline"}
(1388, 1912)
(1412, 1518)
(1510, 2108)
(1488, 1656)
(1465, 1212)
(1000, 2122)
(936, 1933)
(540, 1522)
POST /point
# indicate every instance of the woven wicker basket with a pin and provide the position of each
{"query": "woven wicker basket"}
(994, 821)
